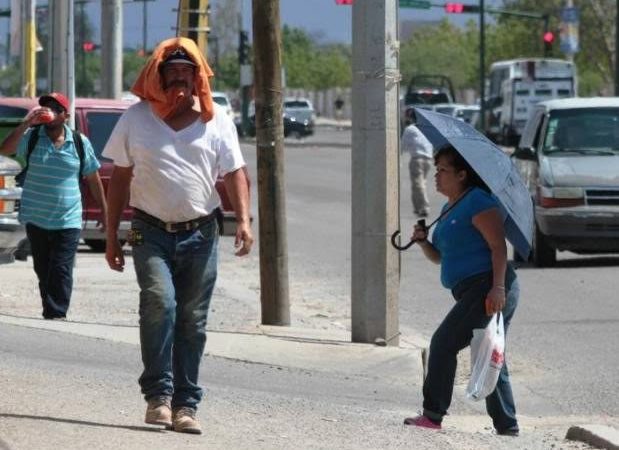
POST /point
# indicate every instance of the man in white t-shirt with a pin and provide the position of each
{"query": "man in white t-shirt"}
(168, 150)
(420, 149)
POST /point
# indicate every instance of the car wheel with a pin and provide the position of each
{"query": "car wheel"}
(543, 254)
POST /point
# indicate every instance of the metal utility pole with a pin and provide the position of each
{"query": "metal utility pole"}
(111, 48)
(274, 297)
(482, 65)
(375, 193)
(29, 42)
(61, 76)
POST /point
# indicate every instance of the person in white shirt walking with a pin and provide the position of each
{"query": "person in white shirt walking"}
(168, 151)
(420, 164)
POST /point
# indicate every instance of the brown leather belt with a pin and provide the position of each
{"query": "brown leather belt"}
(173, 227)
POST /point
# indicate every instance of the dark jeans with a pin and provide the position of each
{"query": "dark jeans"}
(176, 273)
(454, 334)
(53, 254)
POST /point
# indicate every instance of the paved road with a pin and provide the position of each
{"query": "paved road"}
(72, 392)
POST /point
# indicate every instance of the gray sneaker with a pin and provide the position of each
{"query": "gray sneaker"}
(158, 411)
(185, 421)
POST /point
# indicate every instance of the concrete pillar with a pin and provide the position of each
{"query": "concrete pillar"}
(375, 193)
(111, 48)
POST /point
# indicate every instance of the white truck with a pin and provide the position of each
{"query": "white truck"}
(516, 86)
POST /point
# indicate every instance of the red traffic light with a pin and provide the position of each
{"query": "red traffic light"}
(459, 8)
(89, 46)
(454, 8)
(549, 37)
(343, 2)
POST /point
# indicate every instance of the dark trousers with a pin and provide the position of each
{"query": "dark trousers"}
(53, 254)
(454, 334)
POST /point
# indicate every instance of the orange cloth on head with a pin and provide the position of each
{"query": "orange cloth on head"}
(149, 84)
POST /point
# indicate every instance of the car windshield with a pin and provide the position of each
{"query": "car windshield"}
(593, 131)
(223, 101)
(100, 126)
(429, 98)
(293, 104)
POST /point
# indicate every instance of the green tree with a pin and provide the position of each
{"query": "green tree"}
(444, 49)
(313, 66)
(133, 62)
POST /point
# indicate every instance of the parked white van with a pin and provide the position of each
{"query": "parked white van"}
(569, 158)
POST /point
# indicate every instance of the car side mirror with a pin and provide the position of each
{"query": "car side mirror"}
(527, 153)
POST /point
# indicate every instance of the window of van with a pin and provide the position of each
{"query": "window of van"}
(100, 125)
(583, 129)
(12, 111)
(543, 91)
(564, 93)
(523, 92)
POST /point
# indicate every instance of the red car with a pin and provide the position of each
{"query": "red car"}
(96, 119)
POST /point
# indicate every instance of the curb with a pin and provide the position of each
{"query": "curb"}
(598, 436)
(299, 348)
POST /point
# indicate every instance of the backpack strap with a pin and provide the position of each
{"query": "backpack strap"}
(79, 147)
(32, 143)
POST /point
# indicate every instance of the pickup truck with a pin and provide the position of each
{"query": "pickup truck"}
(11, 231)
(96, 119)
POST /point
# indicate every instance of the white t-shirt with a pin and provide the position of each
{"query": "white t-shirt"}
(415, 143)
(174, 172)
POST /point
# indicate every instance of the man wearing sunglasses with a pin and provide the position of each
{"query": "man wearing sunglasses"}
(51, 203)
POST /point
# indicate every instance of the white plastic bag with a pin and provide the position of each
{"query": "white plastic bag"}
(487, 356)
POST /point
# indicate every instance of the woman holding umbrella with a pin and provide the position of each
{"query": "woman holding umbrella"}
(469, 243)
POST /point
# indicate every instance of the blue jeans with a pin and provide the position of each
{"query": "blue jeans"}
(53, 255)
(176, 273)
(454, 334)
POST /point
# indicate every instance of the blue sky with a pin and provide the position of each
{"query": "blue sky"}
(318, 17)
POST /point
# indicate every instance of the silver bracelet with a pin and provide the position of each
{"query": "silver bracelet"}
(499, 287)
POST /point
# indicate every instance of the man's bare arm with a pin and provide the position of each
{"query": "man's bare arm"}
(117, 197)
(238, 193)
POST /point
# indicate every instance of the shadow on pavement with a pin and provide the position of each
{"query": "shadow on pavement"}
(83, 422)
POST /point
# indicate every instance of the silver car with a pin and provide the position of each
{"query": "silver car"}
(569, 158)
(11, 231)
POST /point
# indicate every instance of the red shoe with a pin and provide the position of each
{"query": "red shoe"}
(422, 421)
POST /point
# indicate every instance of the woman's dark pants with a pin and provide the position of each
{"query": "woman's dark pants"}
(53, 254)
(454, 334)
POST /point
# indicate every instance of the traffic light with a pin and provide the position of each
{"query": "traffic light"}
(343, 2)
(549, 38)
(459, 8)
(89, 46)
(243, 47)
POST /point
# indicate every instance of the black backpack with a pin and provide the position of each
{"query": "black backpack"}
(20, 178)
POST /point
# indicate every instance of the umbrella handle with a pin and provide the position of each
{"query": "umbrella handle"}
(394, 242)
(394, 237)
